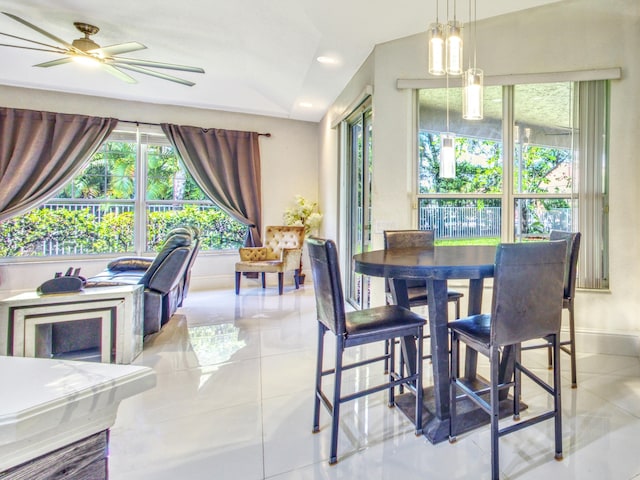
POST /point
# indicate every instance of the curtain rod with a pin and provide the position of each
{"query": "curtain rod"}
(157, 125)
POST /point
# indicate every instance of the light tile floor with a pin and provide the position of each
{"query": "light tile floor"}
(234, 401)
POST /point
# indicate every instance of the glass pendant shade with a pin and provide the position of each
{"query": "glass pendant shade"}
(447, 155)
(472, 97)
(436, 49)
(454, 48)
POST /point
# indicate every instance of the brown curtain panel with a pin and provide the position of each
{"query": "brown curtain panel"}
(40, 152)
(226, 165)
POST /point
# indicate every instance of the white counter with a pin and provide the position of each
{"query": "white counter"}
(46, 404)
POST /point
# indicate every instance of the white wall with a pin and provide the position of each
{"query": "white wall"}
(289, 161)
(566, 36)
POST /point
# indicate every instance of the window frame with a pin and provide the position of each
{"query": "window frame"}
(509, 197)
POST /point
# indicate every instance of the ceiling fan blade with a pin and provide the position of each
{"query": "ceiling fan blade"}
(64, 52)
(60, 49)
(111, 50)
(41, 31)
(116, 72)
(157, 74)
(149, 63)
(53, 63)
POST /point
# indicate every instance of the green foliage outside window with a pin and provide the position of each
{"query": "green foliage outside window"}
(81, 232)
(539, 169)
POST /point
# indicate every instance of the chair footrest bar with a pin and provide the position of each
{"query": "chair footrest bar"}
(380, 358)
(526, 423)
(378, 388)
(541, 383)
(565, 349)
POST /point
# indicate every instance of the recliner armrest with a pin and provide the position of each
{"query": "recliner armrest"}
(130, 263)
(104, 283)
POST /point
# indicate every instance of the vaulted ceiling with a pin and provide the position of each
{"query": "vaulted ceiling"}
(259, 56)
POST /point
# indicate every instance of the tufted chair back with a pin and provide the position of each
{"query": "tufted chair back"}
(279, 237)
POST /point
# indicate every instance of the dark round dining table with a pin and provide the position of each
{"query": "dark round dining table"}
(436, 266)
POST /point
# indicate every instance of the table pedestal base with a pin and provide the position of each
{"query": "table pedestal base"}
(469, 415)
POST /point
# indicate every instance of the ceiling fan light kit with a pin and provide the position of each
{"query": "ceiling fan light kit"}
(86, 51)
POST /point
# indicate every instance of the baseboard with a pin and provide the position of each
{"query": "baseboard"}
(608, 343)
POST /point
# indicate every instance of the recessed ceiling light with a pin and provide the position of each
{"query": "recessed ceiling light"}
(327, 60)
(306, 104)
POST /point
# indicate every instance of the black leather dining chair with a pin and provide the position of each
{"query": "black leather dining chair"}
(570, 278)
(353, 329)
(527, 304)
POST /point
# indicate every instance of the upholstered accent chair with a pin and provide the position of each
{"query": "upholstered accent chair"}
(282, 252)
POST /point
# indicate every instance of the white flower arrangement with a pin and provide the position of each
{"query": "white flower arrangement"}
(304, 213)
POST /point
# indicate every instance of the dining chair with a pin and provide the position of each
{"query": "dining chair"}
(526, 304)
(416, 289)
(570, 274)
(354, 329)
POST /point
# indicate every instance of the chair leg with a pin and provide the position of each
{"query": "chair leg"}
(392, 368)
(517, 380)
(453, 391)
(238, 275)
(264, 282)
(387, 344)
(495, 414)
(419, 392)
(401, 364)
(457, 308)
(318, 392)
(335, 414)
(556, 396)
(296, 278)
(572, 339)
(280, 282)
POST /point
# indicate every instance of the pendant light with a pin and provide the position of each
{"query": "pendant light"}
(472, 81)
(436, 46)
(447, 155)
(454, 44)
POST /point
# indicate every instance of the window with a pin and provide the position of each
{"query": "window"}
(517, 175)
(133, 190)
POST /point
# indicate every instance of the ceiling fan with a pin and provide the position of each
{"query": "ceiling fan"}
(85, 50)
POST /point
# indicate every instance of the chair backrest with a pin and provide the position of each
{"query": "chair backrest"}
(175, 241)
(408, 238)
(327, 283)
(571, 264)
(527, 291)
(285, 236)
(192, 259)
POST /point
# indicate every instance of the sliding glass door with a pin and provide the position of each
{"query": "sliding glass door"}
(359, 159)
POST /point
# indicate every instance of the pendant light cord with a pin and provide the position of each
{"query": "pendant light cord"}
(473, 36)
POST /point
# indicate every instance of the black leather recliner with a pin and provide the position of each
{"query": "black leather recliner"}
(165, 278)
